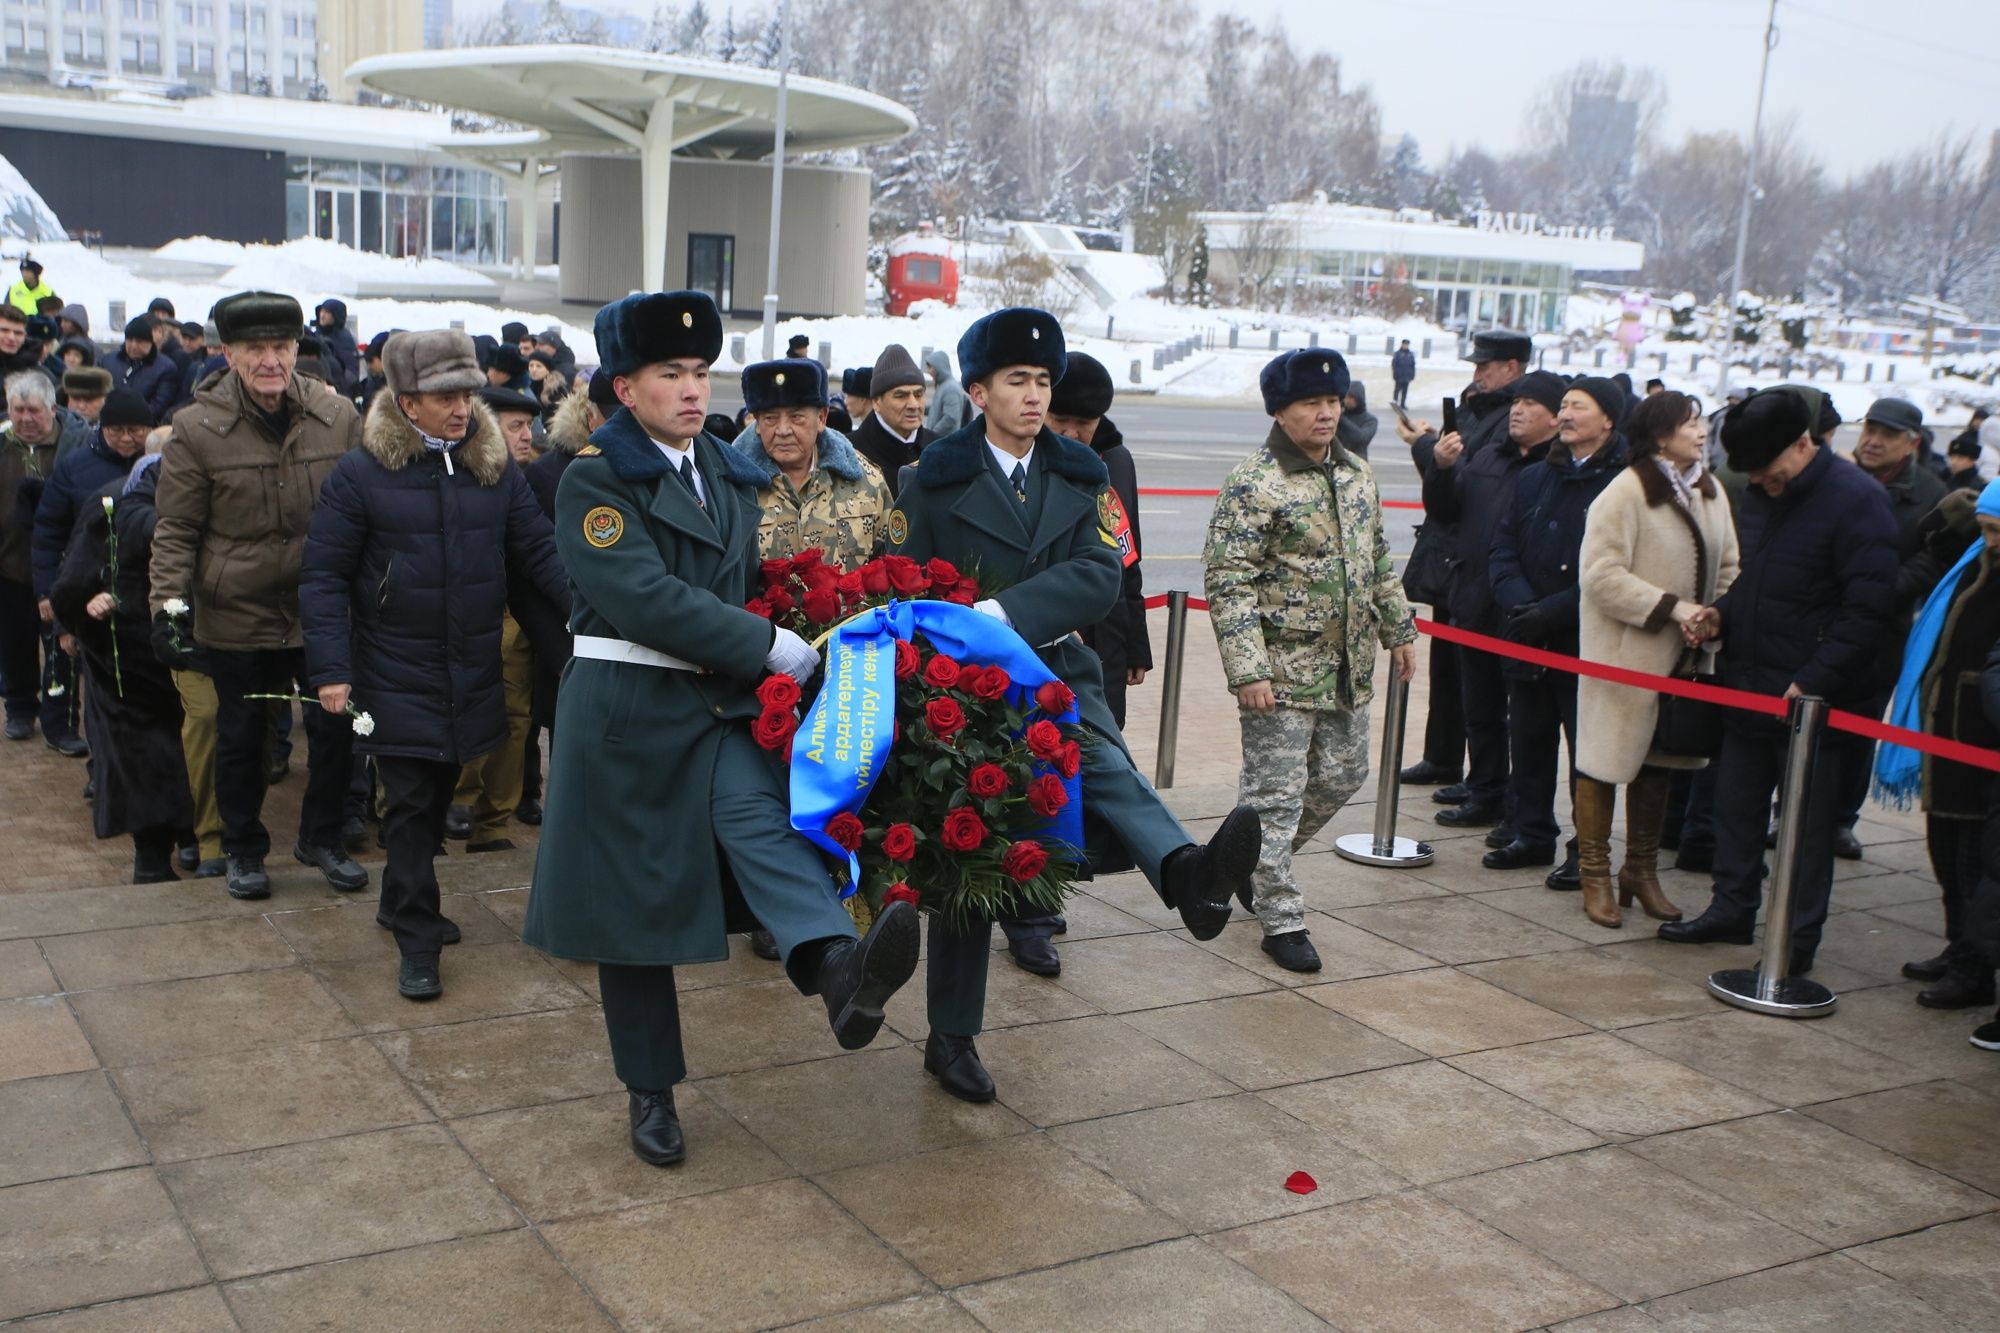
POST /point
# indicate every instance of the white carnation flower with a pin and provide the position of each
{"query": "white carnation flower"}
(364, 725)
(174, 606)
(108, 503)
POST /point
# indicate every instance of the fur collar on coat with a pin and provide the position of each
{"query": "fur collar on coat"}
(836, 454)
(393, 442)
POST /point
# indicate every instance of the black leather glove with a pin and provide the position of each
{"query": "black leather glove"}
(173, 641)
(1526, 625)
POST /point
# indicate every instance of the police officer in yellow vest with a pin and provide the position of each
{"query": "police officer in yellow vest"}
(1029, 510)
(26, 295)
(656, 789)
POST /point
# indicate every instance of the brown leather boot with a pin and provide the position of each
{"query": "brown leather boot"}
(1645, 812)
(1594, 801)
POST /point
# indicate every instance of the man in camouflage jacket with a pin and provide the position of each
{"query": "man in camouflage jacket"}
(1300, 590)
(821, 491)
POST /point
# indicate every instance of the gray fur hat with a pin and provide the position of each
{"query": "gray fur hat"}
(432, 361)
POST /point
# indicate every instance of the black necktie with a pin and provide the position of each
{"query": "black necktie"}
(687, 479)
(1020, 480)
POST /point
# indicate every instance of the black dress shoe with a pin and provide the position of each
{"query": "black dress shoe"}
(529, 812)
(159, 872)
(1473, 814)
(491, 845)
(1696, 860)
(954, 1063)
(339, 868)
(215, 867)
(354, 831)
(1714, 926)
(1845, 845)
(1961, 988)
(1567, 877)
(1427, 774)
(71, 747)
(764, 945)
(187, 858)
(417, 977)
(1799, 964)
(452, 934)
(857, 977)
(1292, 950)
(20, 728)
(1930, 969)
(1200, 881)
(1456, 794)
(1037, 955)
(1517, 854)
(246, 877)
(656, 1127)
(458, 822)
(1503, 835)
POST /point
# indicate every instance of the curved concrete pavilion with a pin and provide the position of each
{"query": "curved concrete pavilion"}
(597, 99)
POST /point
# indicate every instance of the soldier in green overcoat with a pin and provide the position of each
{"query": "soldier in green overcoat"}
(655, 782)
(1027, 511)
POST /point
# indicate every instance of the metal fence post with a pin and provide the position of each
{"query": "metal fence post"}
(736, 349)
(1766, 988)
(1170, 690)
(1427, 349)
(1136, 377)
(1383, 847)
(117, 309)
(1274, 340)
(1234, 334)
(825, 352)
(1110, 323)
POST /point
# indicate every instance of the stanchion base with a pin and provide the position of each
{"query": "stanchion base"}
(1360, 847)
(1793, 997)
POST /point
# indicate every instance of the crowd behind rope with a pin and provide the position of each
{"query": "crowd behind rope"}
(206, 522)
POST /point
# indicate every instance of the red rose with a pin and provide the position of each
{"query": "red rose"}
(821, 578)
(906, 576)
(1054, 698)
(874, 578)
(1024, 860)
(781, 601)
(987, 780)
(757, 606)
(849, 588)
(945, 718)
(942, 573)
(1045, 740)
(822, 605)
(779, 691)
(774, 727)
(1070, 760)
(962, 595)
(774, 571)
(900, 842)
(809, 558)
(845, 829)
(1047, 796)
(941, 672)
(906, 659)
(899, 893)
(992, 684)
(963, 830)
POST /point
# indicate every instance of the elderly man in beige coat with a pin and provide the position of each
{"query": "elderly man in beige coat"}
(1660, 544)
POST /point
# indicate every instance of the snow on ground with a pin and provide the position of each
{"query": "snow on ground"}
(24, 215)
(330, 269)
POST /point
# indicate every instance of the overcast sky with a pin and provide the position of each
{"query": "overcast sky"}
(1866, 78)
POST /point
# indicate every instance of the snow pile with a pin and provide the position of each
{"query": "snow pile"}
(330, 269)
(1126, 276)
(24, 216)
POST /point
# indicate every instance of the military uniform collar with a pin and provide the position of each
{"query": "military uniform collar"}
(634, 457)
(960, 456)
(1291, 458)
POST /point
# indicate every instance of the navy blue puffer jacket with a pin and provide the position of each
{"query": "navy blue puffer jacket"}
(1533, 562)
(404, 583)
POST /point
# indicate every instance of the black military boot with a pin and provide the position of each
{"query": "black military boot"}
(955, 1064)
(1292, 950)
(1200, 881)
(857, 977)
(417, 977)
(656, 1127)
(1963, 987)
(247, 878)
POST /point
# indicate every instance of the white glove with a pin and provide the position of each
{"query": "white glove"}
(792, 656)
(990, 607)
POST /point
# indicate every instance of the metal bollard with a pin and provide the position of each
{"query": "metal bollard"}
(1892, 372)
(1313, 340)
(825, 352)
(1765, 988)
(1234, 334)
(1353, 343)
(117, 314)
(1867, 371)
(736, 349)
(1565, 356)
(1383, 847)
(1388, 347)
(1136, 379)
(1427, 349)
(1598, 358)
(1274, 340)
(1663, 363)
(1110, 323)
(1159, 358)
(1170, 690)
(925, 355)
(458, 325)
(1694, 362)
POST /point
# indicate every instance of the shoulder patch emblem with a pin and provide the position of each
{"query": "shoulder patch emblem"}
(603, 526)
(1114, 528)
(589, 451)
(899, 527)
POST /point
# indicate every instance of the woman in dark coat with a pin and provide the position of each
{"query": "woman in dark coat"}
(134, 719)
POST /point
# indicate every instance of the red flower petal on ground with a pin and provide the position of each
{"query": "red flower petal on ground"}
(1047, 795)
(899, 843)
(907, 659)
(941, 672)
(1070, 760)
(1300, 1183)
(899, 893)
(845, 828)
(963, 830)
(987, 780)
(773, 727)
(1045, 741)
(1054, 698)
(779, 691)
(945, 718)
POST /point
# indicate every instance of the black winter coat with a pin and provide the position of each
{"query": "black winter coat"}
(1813, 598)
(1403, 365)
(1533, 560)
(404, 584)
(1482, 422)
(76, 478)
(337, 347)
(1470, 499)
(889, 454)
(155, 378)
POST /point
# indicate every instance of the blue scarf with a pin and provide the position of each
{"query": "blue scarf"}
(1899, 770)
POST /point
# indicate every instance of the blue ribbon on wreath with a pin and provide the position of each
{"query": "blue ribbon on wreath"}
(845, 739)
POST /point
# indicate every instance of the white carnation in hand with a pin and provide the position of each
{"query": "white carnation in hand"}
(174, 606)
(364, 725)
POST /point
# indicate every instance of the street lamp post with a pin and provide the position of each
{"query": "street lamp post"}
(1743, 218)
(778, 180)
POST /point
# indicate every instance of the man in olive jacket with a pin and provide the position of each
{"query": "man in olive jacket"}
(238, 480)
(1030, 511)
(655, 783)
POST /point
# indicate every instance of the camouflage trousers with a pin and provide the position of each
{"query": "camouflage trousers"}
(1300, 765)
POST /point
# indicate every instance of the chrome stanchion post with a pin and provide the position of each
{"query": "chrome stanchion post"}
(1383, 847)
(1170, 690)
(1766, 988)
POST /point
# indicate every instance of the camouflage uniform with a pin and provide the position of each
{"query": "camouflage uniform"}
(840, 510)
(1301, 589)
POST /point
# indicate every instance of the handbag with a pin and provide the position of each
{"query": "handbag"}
(1427, 574)
(1689, 728)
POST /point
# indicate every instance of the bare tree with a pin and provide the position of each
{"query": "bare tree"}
(1261, 245)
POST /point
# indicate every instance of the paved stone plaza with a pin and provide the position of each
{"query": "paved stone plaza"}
(220, 1115)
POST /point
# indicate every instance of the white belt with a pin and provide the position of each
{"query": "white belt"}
(619, 650)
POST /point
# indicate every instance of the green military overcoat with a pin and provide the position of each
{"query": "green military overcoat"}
(627, 871)
(1064, 576)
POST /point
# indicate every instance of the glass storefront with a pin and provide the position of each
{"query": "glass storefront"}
(395, 209)
(1514, 293)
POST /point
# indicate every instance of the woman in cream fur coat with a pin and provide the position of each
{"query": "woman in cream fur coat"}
(1660, 545)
